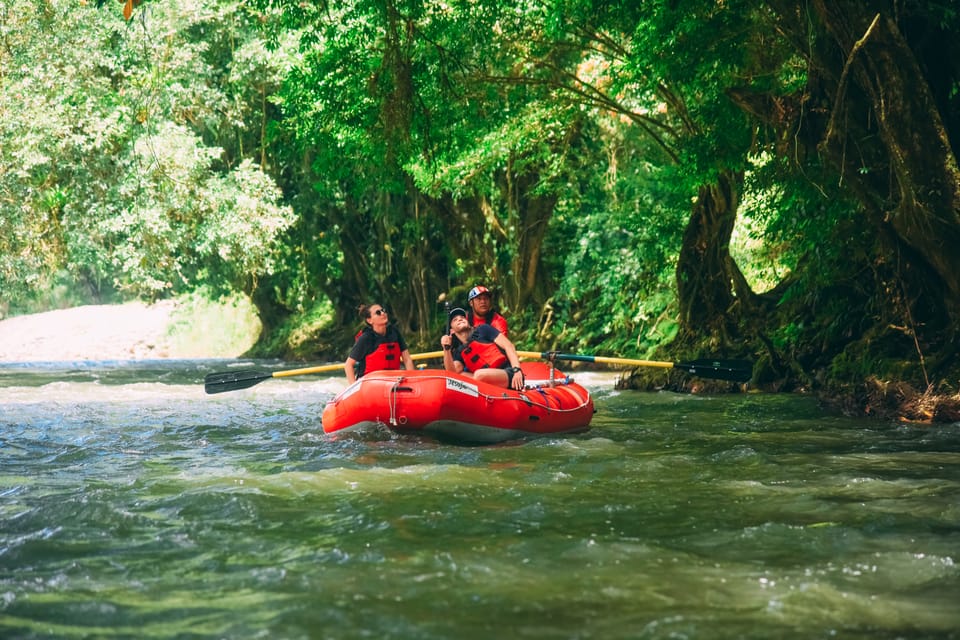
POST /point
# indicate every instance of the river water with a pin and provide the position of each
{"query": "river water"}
(132, 505)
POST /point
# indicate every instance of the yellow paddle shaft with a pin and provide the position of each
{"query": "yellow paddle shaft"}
(339, 367)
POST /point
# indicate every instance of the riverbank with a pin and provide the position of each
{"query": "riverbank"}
(186, 328)
(194, 328)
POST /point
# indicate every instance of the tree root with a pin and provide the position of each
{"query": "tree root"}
(897, 401)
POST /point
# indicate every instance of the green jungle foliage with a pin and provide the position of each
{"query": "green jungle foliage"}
(771, 180)
(119, 171)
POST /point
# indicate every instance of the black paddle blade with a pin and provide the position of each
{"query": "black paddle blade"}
(733, 370)
(233, 380)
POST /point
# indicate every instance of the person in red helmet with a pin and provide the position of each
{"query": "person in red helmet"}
(481, 310)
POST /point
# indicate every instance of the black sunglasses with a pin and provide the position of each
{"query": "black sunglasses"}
(380, 312)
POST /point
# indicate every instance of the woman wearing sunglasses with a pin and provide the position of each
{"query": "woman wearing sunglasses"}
(378, 346)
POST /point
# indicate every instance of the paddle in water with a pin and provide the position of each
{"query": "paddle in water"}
(246, 378)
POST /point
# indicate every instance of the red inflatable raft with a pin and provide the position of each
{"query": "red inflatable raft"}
(455, 407)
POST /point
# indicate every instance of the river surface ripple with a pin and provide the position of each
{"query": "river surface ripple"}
(134, 505)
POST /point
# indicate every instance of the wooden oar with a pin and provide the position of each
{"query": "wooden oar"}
(733, 370)
(246, 378)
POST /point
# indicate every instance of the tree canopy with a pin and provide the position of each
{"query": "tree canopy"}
(775, 180)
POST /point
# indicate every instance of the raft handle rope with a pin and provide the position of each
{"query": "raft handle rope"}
(393, 400)
(538, 385)
(552, 359)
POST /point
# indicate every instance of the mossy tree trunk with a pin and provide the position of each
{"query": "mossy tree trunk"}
(706, 273)
(917, 193)
(878, 107)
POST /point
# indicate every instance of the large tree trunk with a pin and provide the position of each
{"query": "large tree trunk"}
(869, 107)
(704, 277)
(922, 201)
(531, 214)
(269, 311)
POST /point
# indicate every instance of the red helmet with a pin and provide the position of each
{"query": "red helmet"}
(479, 290)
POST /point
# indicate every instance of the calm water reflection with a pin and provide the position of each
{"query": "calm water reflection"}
(133, 505)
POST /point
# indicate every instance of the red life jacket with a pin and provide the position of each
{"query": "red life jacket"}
(385, 357)
(493, 318)
(482, 355)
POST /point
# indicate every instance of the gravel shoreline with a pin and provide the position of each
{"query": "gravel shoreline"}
(131, 331)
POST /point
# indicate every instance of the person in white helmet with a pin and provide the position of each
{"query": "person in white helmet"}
(481, 310)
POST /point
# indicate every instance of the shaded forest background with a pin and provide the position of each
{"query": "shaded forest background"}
(772, 180)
